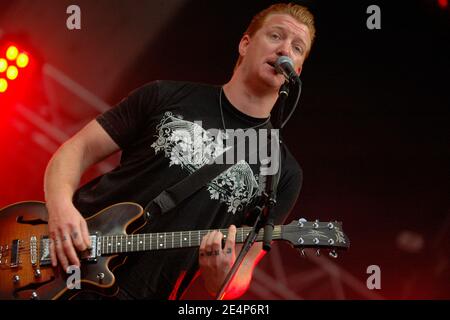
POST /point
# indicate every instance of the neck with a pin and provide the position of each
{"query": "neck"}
(169, 240)
(254, 101)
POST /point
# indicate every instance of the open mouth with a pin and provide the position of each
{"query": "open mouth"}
(274, 68)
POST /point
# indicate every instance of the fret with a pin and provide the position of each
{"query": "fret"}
(172, 239)
(165, 235)
(157, 240)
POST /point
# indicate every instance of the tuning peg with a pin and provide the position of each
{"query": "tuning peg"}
(302, 252)
(333, 254)
(318, 252)
(301, 222)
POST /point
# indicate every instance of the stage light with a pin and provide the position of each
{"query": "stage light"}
(12, 72)
(3, 85)
(14, 57)
(3, 65)
(22, 60)
(12, 52)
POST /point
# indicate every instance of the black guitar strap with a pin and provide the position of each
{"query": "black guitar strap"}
(173, 196)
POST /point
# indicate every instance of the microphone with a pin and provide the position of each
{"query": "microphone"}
(285, 66)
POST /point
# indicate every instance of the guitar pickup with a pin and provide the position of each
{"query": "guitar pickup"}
(89, 255)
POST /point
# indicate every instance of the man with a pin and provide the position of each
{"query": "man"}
(145, 126)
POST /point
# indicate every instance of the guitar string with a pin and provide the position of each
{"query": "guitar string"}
(180, 234)
(177, 238)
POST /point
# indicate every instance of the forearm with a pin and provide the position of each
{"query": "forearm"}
(63, 173)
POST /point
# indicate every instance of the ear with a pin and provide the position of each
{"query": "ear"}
(243, 44)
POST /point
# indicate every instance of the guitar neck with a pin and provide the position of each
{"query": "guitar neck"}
(168, 240)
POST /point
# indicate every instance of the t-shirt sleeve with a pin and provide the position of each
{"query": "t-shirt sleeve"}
(125, 120)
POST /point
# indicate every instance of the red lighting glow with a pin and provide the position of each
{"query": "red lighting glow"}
(12, 58)
(443, 4)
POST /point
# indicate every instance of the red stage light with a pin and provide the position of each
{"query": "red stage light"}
(3, 65)
(12, 72)
(3, 85)
(12, 52)
(22, 60)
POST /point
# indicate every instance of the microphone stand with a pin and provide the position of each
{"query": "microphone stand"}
(267, 199)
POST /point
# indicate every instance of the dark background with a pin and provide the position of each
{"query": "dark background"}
(371, 133)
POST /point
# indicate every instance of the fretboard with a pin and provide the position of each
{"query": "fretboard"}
(168, 240)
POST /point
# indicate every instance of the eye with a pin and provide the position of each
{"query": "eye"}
(298, 49)
(275, 36)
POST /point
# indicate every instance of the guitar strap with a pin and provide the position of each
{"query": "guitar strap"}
(182, 190)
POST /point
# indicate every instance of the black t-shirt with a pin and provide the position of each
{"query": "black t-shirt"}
(161, 129)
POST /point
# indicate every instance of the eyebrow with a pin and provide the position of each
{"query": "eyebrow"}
(296, 37)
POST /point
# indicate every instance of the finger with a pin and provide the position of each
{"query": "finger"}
(231, 238)
(85, 234)
(69, 250)
(217, 243)
(53, 250)
(60, 253)
(202, 248)
(209, 243)
(77, 239)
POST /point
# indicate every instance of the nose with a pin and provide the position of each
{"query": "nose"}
(284, 49)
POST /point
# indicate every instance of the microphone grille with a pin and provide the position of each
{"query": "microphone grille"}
(284, 59)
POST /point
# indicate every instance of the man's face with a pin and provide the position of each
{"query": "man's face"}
(281, 35)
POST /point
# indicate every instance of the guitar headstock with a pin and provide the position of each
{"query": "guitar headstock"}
(315, 234)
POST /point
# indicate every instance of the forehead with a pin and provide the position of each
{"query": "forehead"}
(289, 23)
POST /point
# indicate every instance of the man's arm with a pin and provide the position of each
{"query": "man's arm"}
(68, 229)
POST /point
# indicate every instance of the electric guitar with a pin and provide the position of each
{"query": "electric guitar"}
(25, 265)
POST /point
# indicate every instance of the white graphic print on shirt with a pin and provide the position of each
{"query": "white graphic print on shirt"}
(188, 145)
